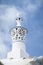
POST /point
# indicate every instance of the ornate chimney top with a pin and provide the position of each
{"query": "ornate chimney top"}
(19, 32)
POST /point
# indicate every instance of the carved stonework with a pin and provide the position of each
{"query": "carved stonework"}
(18, 33)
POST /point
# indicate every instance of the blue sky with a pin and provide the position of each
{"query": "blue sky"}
(32, 13)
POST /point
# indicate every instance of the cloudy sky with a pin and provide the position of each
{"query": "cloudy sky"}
(32, 13)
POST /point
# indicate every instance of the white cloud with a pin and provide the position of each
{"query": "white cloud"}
(3, 48)
(9, 13)
(33, 6)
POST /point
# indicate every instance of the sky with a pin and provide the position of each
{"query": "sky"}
(32, 13)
